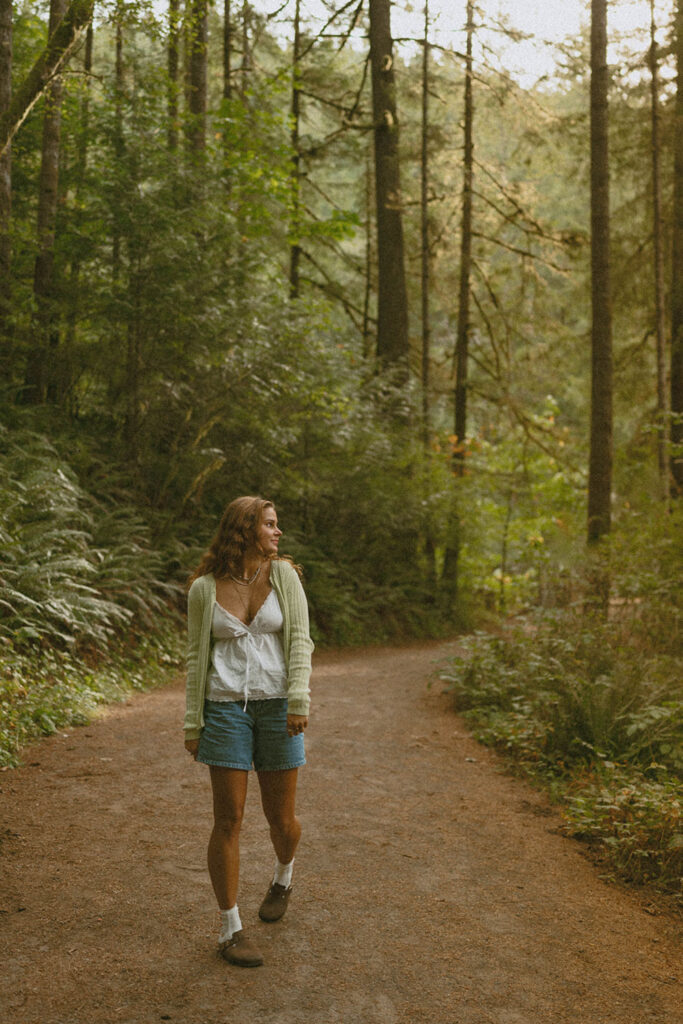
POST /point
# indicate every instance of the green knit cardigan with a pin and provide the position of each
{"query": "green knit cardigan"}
(296, 642)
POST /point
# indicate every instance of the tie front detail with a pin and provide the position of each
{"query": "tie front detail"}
(247, 661)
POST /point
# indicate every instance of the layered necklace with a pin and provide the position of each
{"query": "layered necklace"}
(243, 581)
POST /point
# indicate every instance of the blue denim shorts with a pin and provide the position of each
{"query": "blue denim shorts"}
(235, 738)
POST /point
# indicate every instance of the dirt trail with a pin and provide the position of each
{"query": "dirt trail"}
(429, 886)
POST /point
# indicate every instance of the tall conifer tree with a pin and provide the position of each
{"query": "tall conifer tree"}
(173, 55)
(657, 232)
(600, 463)
(197, 86)
(39, 378)
(392, 310)
(463, 330)
(677, 279)
(5, 172)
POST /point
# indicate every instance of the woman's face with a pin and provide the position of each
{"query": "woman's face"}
(268, 534)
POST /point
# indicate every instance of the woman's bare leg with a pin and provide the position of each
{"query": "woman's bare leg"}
(229, 787)
(278, 798)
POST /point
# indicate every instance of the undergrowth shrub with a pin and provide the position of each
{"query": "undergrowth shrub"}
(84, 615)
(598, 714)
(74, 571)
(46, 689)
(636, 819)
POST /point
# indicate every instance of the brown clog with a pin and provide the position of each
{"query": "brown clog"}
(240, 951)
(275, 902)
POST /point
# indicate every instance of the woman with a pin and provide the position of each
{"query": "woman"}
(247, 700)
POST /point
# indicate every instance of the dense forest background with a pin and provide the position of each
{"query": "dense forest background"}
(428, 308)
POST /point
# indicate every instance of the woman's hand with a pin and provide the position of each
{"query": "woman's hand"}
(192, 746)
(296, 724)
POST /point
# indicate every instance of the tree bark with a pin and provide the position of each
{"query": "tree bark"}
(660, 301)
(119, 147)
(5, 176)
(227, 51)
(246, 66)
(367, 284)
(463, 329)
(132, 378)
(600, 462)
(173, 71)
(392, 311)
(424, 219)
(295, 247)
(39, 377)
(198, 41)
(451, 569)
(242, 229)
(60, 44)
(78, 215)
(677, 276)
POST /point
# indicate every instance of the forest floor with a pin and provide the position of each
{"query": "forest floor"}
(429, 886)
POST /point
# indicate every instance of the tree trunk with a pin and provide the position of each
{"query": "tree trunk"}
(39, 377)
(173, 71)
(295, 247)
(241, 271)
(126, 269)
(246, 65)
(463, 329)
(392, 311)
(119, 146)
(451, 569)
(424, 209)
(198, 42)
(5, 179)
(677, 276)
(227, 51)
(132, 377)
(78, 216)
(367, 288)
(660, 302)
(60, 44)
(600, 463)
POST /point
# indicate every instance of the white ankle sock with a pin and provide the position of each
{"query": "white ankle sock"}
(230, 923)
(283, 873)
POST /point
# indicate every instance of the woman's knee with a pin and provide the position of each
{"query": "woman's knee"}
(285, 823)
(228, 821)
(229, 795)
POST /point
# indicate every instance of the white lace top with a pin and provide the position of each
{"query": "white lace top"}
(247, 662)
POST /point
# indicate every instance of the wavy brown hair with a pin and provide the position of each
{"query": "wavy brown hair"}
(237, 531)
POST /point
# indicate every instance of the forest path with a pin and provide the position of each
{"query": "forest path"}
(429, 886)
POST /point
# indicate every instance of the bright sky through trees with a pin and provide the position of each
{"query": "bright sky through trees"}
(545, 23)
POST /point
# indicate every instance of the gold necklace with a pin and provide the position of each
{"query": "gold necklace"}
(243, 581)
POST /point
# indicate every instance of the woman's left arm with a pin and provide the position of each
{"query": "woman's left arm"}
(300, 649)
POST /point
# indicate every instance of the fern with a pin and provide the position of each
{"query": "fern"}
(74, 570)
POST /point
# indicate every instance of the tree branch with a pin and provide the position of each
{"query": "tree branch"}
(57, 51)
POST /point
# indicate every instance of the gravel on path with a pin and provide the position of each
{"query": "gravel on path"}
(429, 886)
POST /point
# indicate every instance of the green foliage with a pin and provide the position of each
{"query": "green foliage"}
(566, 693)
(594, 708)
(636, 820)
(47, 690)
(524, 504)
(74, 571)
(183, 375)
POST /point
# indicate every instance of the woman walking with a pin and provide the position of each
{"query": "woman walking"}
(247, 701)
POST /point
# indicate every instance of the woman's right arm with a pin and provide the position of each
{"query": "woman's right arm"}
(195, 616)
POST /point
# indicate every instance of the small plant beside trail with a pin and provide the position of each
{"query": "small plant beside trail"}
(594, 710)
